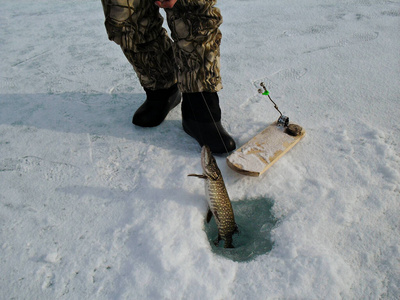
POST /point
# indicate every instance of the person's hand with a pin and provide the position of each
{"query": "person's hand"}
(165, 3)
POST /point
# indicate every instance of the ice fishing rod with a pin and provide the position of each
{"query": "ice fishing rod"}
(283, 120)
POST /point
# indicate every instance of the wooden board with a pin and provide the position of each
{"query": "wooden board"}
(263, 150)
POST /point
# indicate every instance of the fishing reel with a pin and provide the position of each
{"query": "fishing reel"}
(283, 121)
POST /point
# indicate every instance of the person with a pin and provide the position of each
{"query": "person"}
(186, 69)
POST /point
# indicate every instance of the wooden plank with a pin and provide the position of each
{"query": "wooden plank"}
(262, 151)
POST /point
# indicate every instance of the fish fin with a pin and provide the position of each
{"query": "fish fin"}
(215, 176)
(202, 176)
(228, 242)
(209, 215)
(216, 242)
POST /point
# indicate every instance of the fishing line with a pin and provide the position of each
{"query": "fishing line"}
(194, 115)
(215, 124)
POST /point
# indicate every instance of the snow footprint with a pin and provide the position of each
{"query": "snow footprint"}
(45, 273)
(282, 75)
(367, 142)
(356, 38)
(286, 74)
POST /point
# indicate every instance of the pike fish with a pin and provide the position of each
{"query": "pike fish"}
(219, 204)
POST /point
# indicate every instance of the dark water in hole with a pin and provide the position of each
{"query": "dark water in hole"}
(255, 222)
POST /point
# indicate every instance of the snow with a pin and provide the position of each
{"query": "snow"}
(95, 208)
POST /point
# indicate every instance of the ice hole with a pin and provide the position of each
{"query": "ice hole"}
(255, 221)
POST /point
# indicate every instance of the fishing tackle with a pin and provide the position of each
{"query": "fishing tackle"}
(283, 120)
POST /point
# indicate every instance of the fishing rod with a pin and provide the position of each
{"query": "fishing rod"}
(283, 120)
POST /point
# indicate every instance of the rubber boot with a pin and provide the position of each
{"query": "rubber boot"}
(201, 119)
(157, 106)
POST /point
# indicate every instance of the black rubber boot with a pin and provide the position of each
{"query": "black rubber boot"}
(201, 119)
(157, 106)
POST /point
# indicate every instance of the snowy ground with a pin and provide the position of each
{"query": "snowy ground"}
(95, 208)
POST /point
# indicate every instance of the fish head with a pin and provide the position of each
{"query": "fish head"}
(209, 164)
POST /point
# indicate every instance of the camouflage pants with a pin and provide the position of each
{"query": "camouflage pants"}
(191, 59)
